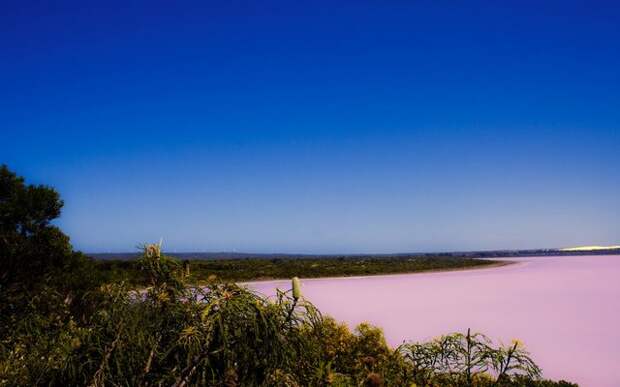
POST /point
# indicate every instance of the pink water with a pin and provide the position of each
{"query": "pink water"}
(565, 309)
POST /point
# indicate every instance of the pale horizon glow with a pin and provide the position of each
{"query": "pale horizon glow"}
(590, 248)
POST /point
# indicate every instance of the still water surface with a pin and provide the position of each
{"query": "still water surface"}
(565, 309)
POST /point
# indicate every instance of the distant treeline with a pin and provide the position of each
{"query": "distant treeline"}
(247, 269)
(438, 255)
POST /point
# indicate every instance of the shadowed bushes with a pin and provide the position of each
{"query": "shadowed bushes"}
(169, 335)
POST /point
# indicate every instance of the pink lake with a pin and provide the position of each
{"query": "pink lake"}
(565, 309)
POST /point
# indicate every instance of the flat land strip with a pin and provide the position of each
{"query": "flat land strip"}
(257, 269)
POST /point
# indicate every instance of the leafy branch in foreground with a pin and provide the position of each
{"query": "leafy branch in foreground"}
(465, 359)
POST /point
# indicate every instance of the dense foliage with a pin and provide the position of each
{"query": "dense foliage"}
(35, 255)
(64, 328)
(31, 249)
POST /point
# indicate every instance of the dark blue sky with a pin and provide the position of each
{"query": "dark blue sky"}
(326, 127)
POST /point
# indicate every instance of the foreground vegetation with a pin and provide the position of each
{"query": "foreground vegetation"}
(248, 269)
(62, 323)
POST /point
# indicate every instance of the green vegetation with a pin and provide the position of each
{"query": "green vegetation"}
(249, 269)
(61, 325)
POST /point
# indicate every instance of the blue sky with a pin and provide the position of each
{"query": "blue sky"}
(331, 127)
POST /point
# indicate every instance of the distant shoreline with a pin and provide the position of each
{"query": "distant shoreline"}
(493, 265)
(282, 267)
(208, 256)
(261, 269)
